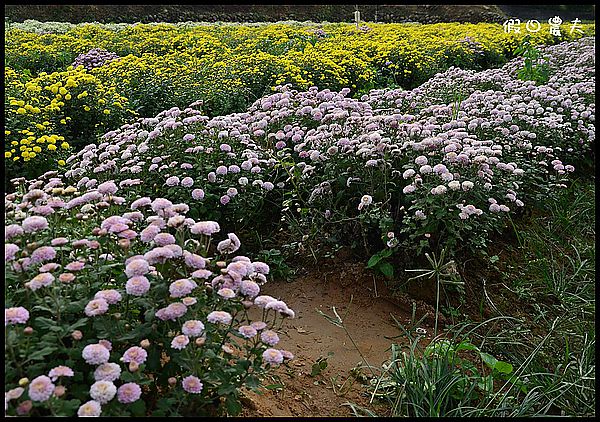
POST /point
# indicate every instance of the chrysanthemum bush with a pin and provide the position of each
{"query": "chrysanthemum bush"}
(49, 114)
(420, 164)
(120, 304)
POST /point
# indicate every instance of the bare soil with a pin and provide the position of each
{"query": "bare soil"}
(365, 305)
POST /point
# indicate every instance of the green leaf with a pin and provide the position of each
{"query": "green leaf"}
(489, 360)
(375, 259)
(387, 269)
(503, 367)
(39, 354)
(234, 407)
(138, 408)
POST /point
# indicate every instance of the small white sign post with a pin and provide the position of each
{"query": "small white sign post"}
(357, 18)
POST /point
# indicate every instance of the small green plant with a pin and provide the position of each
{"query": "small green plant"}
(320, 365)
(378, 262)
(276, 258)
(536, 67)
(443, 272)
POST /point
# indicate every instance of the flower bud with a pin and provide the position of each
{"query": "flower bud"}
(23, 382)
(117, 315)
(247, 304)
(134, 366)
(77, 335)
(24, 407)
(124, 244)
(221, 264)
(172, 381)
(200, 341)
(144, 344)
(28, 331)
(59, 391)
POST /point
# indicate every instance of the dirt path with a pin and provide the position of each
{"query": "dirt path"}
(310, 337)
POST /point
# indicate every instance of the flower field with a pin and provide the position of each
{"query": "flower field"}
(153, 67)
(150, 164)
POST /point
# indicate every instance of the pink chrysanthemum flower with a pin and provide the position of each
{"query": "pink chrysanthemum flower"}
(172, 181)
(160, 204)
(163, 239)
(137, 285)
(205, 227)
(90, 408)
(135, 354)
(75, 266)
(59, 241)
(249, 288)
(95, 354)
(66, 277)
(10, 251)
(269, 337)
(137, 267)
(272, 356)
(259, 325)
(264, 300)
(159, 255)
(277, 305)
(129, 393)
(107, 188)
(247, 331)
(189, 301)
(103, 391)
(41, 388)
(198, 194)
(139, 203)
(12, 231)
(229, 245)
(49, 267)
(192, 384)
(34, 223)
(194, 261)
(44, 253)
(40, 280)
(226, 293)
(60, 371)
(192, 328)
(16, 315)
(182, 287)
(187, 182)
(107, 372)
(220, 317)
(179, 342)
(287, 355)
(202, 273)
(111, 296)
(96, 307)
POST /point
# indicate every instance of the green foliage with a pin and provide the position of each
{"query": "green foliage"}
(536, 67)
(378, 262)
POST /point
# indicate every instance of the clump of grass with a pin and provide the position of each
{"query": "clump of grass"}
(552, 353)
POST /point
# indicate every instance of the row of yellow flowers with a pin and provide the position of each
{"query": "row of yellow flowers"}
(228, 66)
